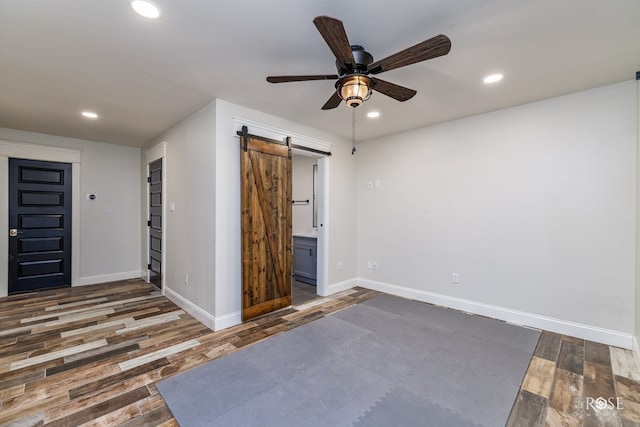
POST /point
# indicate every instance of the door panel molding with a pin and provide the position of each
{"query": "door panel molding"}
(155, 208)
(39, 189)
(45, 153)
(151, 155)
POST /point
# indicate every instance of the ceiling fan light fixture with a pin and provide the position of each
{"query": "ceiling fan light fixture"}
(354, 90)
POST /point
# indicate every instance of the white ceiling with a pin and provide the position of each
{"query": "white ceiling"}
(59, 57)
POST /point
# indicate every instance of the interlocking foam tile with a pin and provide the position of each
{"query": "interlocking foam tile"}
(401, 408)
(393, 304)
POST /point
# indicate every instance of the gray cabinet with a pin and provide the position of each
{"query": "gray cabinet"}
(305, 257)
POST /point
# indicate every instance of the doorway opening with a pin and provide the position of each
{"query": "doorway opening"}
(299, 145)
(307, 281)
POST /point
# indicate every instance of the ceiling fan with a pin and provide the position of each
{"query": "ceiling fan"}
(356, 66)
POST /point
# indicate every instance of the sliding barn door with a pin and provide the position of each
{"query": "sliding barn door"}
(266, 226)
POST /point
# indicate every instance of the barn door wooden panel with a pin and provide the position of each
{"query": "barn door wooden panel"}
(266, 225)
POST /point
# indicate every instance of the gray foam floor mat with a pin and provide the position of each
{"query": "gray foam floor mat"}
(386, 361)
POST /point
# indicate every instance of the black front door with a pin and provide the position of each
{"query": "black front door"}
(155, 223)
(39, 225)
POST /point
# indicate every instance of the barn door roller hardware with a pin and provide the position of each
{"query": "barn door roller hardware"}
(244, 133)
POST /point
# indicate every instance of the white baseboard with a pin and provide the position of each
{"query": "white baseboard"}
(592, 333)
(228, 320)
(340, 286)
(206, 318)
(235, 318)
(636, 351)
(203, 316)
(114, 277)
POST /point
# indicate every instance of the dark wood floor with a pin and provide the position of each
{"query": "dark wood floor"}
(302, 292)
(92, 355)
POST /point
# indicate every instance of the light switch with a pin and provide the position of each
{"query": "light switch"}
(172, 207)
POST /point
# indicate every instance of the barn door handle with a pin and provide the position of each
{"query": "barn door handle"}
(13, 232)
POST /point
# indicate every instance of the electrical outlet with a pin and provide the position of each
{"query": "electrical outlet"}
(374, 265)
(186, 279)
(339, 265)
(370, 265)
(455, 278)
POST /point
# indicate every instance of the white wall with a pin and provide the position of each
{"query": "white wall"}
(533, 206)
(190, 230)
(109, 243)
(303, 190)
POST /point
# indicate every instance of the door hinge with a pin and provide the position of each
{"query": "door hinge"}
(149, 223)
(149, 179)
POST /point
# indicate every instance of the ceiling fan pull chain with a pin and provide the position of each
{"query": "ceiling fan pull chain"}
(353, 130)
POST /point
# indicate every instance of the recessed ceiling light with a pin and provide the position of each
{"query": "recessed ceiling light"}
(146, 9)
(492, 78)
(89, 115)
(373, 114)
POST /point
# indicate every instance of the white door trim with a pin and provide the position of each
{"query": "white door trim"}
(21, 150)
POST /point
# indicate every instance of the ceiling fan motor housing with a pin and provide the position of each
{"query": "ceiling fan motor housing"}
(362, 58)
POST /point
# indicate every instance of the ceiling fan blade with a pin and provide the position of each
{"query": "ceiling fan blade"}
(436, 46)
(333, 33)
(333, 102)
(285, 79)
(399, 93)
